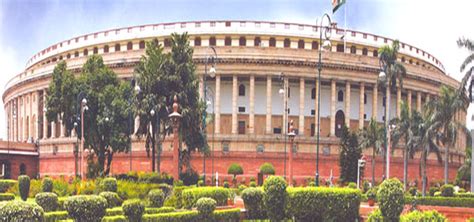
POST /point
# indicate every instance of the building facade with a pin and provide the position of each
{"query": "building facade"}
(254, 61)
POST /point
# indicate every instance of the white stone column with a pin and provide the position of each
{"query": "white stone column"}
(409, 100)
(217, 106)
(62, 128)
(15, 120)
(361, 105)
(333, 108)
(234, 103)
(53, 129)
(252, 105)
(316, 105)
(301, 116)
(268, 126)
(348, 105)
(418, 101)
(45, 120)
(399, 99)
(374, 101)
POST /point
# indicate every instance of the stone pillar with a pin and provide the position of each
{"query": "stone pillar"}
(347, 101)
(361, 105)
(234, 104)
(268, 125)
(333, 108)
(62, 129)
(15, 119)
(399, 99)
(418, 101)
(217, 105)
(301, 116)
(374, 101)
(409, 100)
(53, 129)
(252, 105)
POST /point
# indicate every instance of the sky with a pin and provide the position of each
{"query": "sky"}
(28, 26)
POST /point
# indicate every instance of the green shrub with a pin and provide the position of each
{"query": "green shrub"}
(365, 186)
(275, 198)
(6, 184)
(227, 215)
(242, 188)
(267, 169)
(114, 211)
(113, 199)
(323, 203)
(20, 211)
(447, 190)
(7, 196)
(205, 207)
(47, 185)
(375, 216)
(134, 190)
(159, 210)
(47, 200)
(235, 169)
(464, 195)
(226, 184)
(62, 188)
(24, 186)
(200, 183)
(55, 216)
(418, 216)
(156, 198)
(352, 185)
(461, 190)
(109, 184)
(86, 208)
(172, 217)
(61, 201)
(412, 191)
(252, 184)
(150, 177)
(253, 201)
(176, 199)
(433, 190)
(189, 177)
(219, 194)
(444, 201)
(133, 209)
(372, 193)
(116, 218)
(391, 199)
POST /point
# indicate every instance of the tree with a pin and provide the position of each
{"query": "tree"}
(235, 169)
(267, 169)
(104, 131)
(349, 154)
(372, 136)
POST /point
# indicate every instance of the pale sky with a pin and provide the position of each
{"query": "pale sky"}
(28, 26)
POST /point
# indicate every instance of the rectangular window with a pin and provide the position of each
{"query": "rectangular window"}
(225, 147)
(241, 127)
(313, 112)
(276, 130)
(241, 109)
(313, 129)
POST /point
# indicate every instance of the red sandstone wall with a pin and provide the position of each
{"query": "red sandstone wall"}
(31, 163)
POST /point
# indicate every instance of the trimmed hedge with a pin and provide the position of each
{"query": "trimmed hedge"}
(323, 203)
(391, 199)
(117, 218)
(464, 195)
(20, 211)
(86, 208)
(219, 194)
(275, 199)
(113, 211)
(253, 200)
(133, 209)
(6, 196)
(229, 215)
(418, 216)
(48, 201)
(24, 186)
(47, 185)
(113, 199)
(55, 216)
(442, 201)
(6, 184)
(205, 207)
(160, 210)
(156, 197)
(447, 190)
(109, 184)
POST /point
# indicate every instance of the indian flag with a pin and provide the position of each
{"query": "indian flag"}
(336, 4)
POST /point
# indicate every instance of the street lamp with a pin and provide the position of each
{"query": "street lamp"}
(360, 164)
(322, 46)
(153, 138)
(292, 136)
(137, 89)
(210, 102)
(284, 93)
(212, 73)
(175, 117)
(385, 81)
(83, 109)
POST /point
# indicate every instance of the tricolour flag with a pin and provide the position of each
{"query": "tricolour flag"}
(336, 4)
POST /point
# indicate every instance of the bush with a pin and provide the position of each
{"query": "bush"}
(375, 216)
(113, 199)
(218, 215)
(133, 209)
(200, 183)
(253, 201)
(156, 198)
(323, 203)
(116, 218)
(433, 190)
(20, 211)
(114, 211)
(412, 191)
(133, 190)
(462, 190)
(150, 177)
(418, 216)
(227, 215)
(205, 207)
(444, 201)
(7, 196)
(464, 195)
(242, 188)
(267, 169)
(86, 208)
(252, 184)
(176, 199)
(352, 185)
(447, 190)
(372, 193)
(24, 186)
(47, 200)
(47, 185)
(160, 210)
(391, 199)
(226, 184)
(365, 186)
(235, 169)
(190, 177)
(109, 184)
(6, 184)
(219, 194)
(275, 198)
(55, 216)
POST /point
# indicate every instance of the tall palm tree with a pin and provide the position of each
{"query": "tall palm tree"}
(467, 79)
(372, 136)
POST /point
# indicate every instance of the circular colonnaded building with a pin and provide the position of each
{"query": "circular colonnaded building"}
(254, 60)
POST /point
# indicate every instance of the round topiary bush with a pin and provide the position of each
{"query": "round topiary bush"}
(433, 190)
(206, 206)
(24, 186)
(226, 184)
(156, 197)
(112, 198)
(47, 185)
(352, 185)
(391, 199)
(109, 184)
(133, 209)
(447, 190)
(235, 169)
(47, 200)
(253, 201)
(20, 211)
(267, 169)
(252, 184)
(275, 198)
(86, 208)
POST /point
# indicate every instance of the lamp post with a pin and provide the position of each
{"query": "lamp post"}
(153, 139)
(292, 136)
(383, 78)
(326, 46)
(284, 93)
(212, 74)
(83, 109)
(175, 117)
(360, 164)
(137, 89)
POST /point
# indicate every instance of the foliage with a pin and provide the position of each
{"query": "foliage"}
(114, 211)
(227, 215)
(254, 205)
(218, 215)
(113, 199)
(275, 199)
(55, 216)
(156, 197)
(109, 184)
(372, 193)
(47, 200)
(24, 186)
(86, 208)
(365, 186)
(132, 190)
(349, 154)
(323, 204)
(372, 136)
(352, 185)
(160, 210)
(226, 184)
(391, 199)
(252, 184)
(219, 194)
(433, 190)
(267, 169)
(147, 177)
(133, 209)
(189, 177)
(235, 169)
(375, 216)
(447, 190)
(6, 196)
(6, 184)
(116, 218)
(413, 191)
(47, 185)
(418, 216)
(444, 201)
(176, 199)
(20, 211)
(205, 207)
(469, 194)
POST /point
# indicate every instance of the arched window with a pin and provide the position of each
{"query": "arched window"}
(272, 42)
(129, 46)
(353, 49)
(286, 43)
(96, 50)
(257, 41)
(86, 52)
(340, 96)
(365, 51)
(314, 45)
(376, 53)
(117, 47)
(242, 41)
(313, 93)
(22, 169)
(241, 90)
(141, 44)
(301, 44)
(68, 56)
(106, 49)
(212, 41)
(197, 41)
(76, 54)
(228, 41)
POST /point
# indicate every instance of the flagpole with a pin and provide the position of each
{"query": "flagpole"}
(345, 27)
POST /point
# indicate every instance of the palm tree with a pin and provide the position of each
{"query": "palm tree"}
(469, 45)
(372, 136)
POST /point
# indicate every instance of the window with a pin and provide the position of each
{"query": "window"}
(276, 130)
(313, 112)
(241, 127)
(141, 45)
(68, 56)
(365, 98)
(228, 41)
(365, 51)
(353, 49)
(241, 90)
(410, 61)
(96, 50)
(225, 147)
(313, 93)
(241, 109)
(76, 54)
(340, 48)
(242, 41)
(129, 46)
(301, 44)
(167, 42)
(365, 116)
(260, 148)
(117, 47)
(212, 41)
(286, 43)
(227, 24)
(257, 41)
(314, 45)
(106, 49)
(340, 96)
(22, 169)
(313, 129)
(86, 52)
(197, 41)
(272, 42)
(376, 53)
